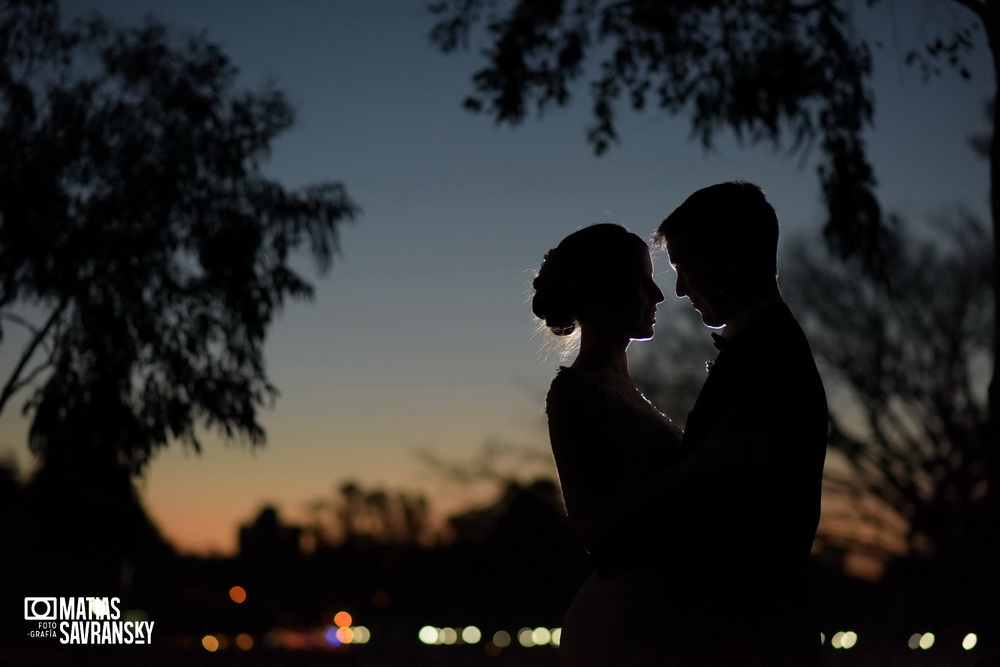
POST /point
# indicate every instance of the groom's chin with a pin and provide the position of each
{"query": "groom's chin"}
(645, 335)
(710, 321)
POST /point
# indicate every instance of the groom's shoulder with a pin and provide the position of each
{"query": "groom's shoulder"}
(775, 324)
(776, 341)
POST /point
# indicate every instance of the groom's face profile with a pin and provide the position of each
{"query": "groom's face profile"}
(700, 278)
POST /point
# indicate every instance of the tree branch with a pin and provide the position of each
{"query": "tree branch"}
(809, 6)
(977, 8)
(14, 383)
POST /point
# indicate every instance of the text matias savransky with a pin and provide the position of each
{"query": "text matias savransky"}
(85, 620)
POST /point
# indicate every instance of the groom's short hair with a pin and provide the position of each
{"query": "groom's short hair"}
(733, 220)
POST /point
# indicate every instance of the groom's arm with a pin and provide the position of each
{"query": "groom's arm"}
(734, 452)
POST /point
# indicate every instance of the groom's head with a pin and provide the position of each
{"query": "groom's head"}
(723, 243)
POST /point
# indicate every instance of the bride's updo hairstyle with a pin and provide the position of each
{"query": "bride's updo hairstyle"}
(587, 270)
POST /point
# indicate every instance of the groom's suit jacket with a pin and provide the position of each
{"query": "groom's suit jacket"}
(747, 537)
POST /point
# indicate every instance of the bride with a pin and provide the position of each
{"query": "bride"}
(611, 446)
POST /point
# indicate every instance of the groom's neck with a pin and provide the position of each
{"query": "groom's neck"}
(752, 300)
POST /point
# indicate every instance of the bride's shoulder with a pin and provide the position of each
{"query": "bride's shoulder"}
(570, 386)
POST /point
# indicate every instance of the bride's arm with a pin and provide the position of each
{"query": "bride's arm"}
(578, 448)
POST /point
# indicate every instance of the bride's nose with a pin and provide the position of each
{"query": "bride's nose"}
(657, 294)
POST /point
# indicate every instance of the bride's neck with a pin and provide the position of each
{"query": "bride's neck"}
(603, 356)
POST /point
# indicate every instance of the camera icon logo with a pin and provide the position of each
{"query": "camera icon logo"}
(40, 609)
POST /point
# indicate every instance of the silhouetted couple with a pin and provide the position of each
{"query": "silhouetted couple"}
(699, 539)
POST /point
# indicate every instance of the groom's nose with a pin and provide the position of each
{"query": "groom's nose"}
(680, 287)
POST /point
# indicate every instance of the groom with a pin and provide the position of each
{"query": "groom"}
(748, 538)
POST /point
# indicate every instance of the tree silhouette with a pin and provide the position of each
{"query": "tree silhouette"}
(905, 362)
(136, 216)
(790, 71)
(357, 517)
(906, 365)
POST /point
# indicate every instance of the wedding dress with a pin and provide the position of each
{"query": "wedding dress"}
(603, 444)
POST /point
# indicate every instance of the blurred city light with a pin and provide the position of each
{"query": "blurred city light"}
(244, 641)
(345, 635)
(238, 594)
(845, 640)
(970, 641)
(342, 619)
(927, 640)
(428, 635)
(914, 642)
(331, 635)
(210, 643)
(432, 635)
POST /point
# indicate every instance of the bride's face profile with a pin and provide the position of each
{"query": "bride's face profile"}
(628, 311)
(647, 297)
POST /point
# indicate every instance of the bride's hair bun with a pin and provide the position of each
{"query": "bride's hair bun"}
(553, 299)
(583, 267)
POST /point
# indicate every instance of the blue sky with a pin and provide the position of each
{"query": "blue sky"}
(420, 337)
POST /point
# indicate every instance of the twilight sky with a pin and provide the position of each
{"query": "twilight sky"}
(421, 337)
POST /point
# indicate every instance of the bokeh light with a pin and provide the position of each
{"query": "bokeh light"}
(556, 636)
(501, 638)
(914, 641)
(849, 639)
(927, 640)
(331, 636)
(526, 637)
(362, 635)
(238, 594)
(345, 635)
(342, 619)
(210, 643)
(970, 641)
(244, 641)
(428, 635)
(471, 635)
(541, 636)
